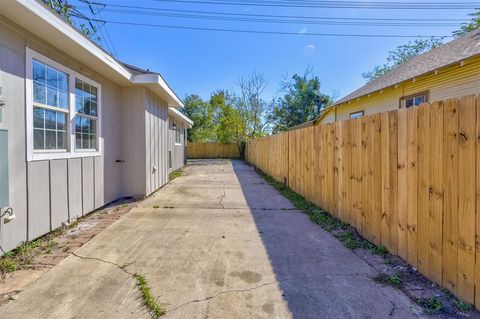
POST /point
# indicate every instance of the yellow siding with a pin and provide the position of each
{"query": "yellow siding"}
(453, 81)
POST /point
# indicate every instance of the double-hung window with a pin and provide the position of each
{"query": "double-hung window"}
(86, 98)
(50, 108)
(63, 111)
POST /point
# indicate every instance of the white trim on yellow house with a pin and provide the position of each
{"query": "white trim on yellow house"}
(458, 79)
(41, 21)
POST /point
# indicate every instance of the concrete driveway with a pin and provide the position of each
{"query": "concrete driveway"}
(215, 243)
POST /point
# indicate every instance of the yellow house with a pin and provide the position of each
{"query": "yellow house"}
(450, 70)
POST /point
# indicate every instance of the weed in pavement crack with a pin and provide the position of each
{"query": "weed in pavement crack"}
(155, 309)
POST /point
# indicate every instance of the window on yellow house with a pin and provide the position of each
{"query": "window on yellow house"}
(356, 115)
(414, 100)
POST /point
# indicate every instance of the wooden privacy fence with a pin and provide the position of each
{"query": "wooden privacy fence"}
(212, 150)
(407, 179)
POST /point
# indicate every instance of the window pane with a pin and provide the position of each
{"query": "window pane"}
(409, 103)
(86, 90)
(52, 97)
(93, 142)
(38, 72)
(79, 104)
(61, 139)
(62, 81)
(93, 108)
(94, 93)
(78, 141)
(93, 126)
(86, 107)
(419, 100)
(38, 139)
(63, 100)
(85, 141)
(38, 93)
(52, 77)
(61, 120)
(50, 140)
(78, 124)
(85, 125)
(50, 120)
(78, 88)
(38, 117)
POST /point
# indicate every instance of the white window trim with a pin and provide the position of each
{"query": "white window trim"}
(354, 115)
(71, 152)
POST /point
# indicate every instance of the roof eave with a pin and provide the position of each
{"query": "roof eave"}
(35, 17)
(179, 115)
(39, 20)
(158, 85)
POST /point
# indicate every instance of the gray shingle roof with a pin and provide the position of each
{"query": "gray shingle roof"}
(449, 53)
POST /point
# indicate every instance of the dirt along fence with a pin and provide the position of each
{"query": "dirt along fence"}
(407, 179)
(212, 150)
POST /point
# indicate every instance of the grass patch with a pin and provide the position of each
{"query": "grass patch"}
(156, 206)
(8, 265)
(432, 305)
(148, 299)
(175, 174)
(341, 230)
(462, 306)
(22, 256)
(392, 280)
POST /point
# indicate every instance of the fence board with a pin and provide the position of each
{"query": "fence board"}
(450, 224)
(212, 150)
(436, 192)
(423, 156)
(466, 192)
(402, 184)
(477, 228)
(412, 193)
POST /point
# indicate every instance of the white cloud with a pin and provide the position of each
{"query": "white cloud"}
(303, 30)
(309, 50)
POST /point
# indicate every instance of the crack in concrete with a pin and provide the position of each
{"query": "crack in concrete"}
(222, 197)
(257, 287)
(394, 307)
(122, 268)
(221, 293)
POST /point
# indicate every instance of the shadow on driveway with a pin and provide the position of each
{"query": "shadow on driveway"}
(319, 277)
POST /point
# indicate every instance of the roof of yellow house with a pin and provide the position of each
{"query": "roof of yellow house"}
(450, 53)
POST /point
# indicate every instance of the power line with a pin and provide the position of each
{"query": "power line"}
(381, 23)
(338, 4)
(267, 32)
(100, 27)
(275, 16)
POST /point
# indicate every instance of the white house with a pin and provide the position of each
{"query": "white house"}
(78, 129)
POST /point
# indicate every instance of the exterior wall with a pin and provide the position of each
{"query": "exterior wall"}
(133, 139)
(156, 137)
(455, 81)
(46, 193)
(177, 149)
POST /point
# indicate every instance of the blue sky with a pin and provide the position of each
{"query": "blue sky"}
(200, 61)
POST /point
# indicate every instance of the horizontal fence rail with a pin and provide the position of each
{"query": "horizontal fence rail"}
(212, 150)
(407, 179)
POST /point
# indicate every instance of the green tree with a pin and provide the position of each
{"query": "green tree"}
(201, 113)
(470, 26)
(229, 122)
(301, 103)
(252, 107)
(402, 54)
(64, 9)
